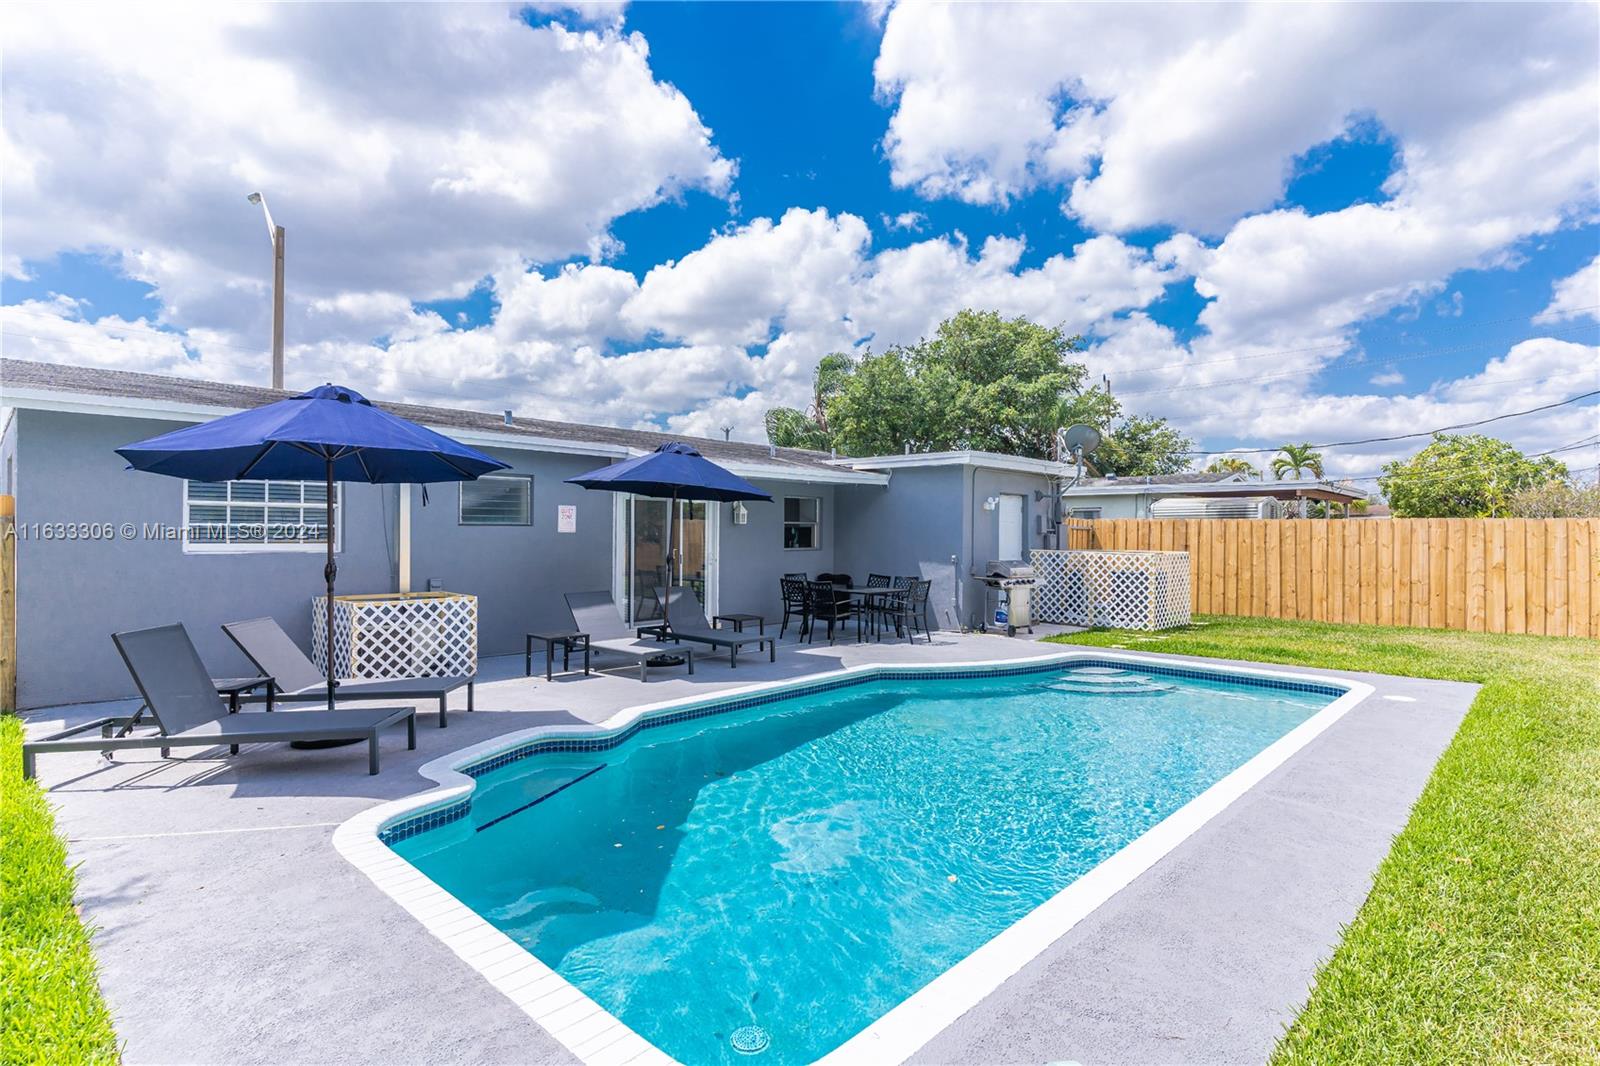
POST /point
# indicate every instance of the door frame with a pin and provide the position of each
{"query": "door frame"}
(622, 512)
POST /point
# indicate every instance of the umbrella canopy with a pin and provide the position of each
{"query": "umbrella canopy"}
(328, 434)
(675, 472)
(295, 439)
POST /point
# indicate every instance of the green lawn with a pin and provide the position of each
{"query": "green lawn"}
(49, 997)
(1480, 940)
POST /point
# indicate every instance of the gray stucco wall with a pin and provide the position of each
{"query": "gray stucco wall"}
(913, 525)
(518, 573)
(72, 595)
(753, 555)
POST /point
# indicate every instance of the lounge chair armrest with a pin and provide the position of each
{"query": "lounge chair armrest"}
(98, 723)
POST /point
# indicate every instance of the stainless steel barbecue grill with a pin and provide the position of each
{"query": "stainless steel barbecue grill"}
(1010, 599)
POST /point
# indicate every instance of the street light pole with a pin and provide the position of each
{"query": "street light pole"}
(277, 307)
(275, 232)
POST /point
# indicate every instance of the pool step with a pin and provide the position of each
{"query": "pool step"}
(1107, 682)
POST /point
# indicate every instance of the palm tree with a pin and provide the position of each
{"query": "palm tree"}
(1231, 464)
(1297, 459)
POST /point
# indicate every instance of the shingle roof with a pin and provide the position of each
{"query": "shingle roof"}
(1203, 478)
(18, 373)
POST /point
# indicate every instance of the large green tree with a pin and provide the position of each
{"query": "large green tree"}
(1143, 447)
(1464, 476)
(983, 382)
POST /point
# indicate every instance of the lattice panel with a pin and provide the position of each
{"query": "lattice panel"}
(1122, 590)
(429, 636)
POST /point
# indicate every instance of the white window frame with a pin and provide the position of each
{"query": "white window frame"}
(461, 503)
(1085, 514)
(193, 547)
(816, 526)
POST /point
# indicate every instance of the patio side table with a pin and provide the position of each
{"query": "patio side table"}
(568, 639)
(738, 621)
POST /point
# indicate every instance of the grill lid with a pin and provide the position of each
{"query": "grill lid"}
(1013, 568)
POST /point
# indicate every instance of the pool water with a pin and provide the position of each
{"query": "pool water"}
(762, 885)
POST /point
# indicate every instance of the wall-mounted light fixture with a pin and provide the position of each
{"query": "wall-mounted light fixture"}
(741, 513)
(991, 503)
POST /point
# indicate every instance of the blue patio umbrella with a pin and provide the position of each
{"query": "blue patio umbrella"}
(330, 434)
(675, 472)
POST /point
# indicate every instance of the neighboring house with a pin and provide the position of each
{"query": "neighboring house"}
(101, 549)
(1203, 495)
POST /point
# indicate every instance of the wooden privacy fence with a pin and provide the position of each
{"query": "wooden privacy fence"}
(1493, 575)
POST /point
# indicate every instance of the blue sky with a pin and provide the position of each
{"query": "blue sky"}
(664, 214)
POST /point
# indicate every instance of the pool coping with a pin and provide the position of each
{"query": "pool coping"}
(595, 1036)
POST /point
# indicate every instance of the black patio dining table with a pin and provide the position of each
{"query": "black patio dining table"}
(866, 594)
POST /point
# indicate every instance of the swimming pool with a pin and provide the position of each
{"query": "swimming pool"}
(808, 868)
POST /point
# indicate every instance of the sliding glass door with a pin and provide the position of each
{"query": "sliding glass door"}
(641, 565)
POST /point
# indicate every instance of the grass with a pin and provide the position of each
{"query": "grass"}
(1480, 938)
(49, 997)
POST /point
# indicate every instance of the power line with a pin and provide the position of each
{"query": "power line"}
(1310, 370)
(1457, 472)
(1400, 436)
(1340, 346)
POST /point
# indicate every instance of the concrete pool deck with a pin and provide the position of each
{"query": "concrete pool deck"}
(230, 930)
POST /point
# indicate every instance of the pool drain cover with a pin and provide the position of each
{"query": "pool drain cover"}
(750, 1040)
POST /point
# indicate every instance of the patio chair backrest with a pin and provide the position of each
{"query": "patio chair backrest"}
(794, 591)
(595, 613)
(919, 589)
(801, 574)
(265, 644)
(170, 677)
(683, 610)
(825, 599)
(903, 582)
(877, 581)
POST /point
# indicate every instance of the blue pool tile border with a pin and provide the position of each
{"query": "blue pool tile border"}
(451, 812)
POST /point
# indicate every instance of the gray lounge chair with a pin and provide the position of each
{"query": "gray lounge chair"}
(296, 679)
(686, 622)
(595, 614)
(183, 704)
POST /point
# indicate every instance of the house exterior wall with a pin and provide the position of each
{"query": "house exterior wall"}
(753, 557)
(1124, 505)
(518, 573)
(73, 594)
(916, 525)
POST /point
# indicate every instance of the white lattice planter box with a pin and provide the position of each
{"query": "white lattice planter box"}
(406, 634)
(1123, 590)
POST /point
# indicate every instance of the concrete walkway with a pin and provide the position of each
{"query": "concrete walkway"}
(229, 930)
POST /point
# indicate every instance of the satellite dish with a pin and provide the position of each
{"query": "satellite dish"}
(1081, 440)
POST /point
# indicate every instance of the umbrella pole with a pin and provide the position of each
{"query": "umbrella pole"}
(666, 601)
(329, 572)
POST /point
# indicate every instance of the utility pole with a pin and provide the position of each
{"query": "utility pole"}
(275, 232)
